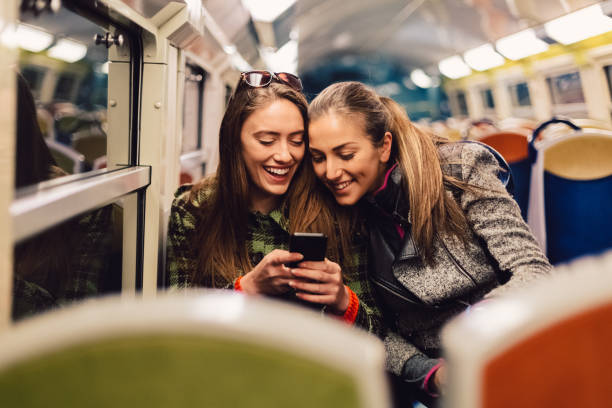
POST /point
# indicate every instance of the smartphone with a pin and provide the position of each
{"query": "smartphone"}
(312, 245)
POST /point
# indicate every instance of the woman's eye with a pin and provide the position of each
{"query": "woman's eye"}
(347, 156)
(317, 159)
(266, 142)
(297, 142)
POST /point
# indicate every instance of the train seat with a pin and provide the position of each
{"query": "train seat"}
(68, 159)
(513, 146)
(191, 349)
(570, 207)
(544, 346)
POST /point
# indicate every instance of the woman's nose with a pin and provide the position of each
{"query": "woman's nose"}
(333, 171)
(282, 154)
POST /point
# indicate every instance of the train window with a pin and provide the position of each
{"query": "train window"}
(487, 98)
(462, 103)
(68, 241)
(195, 78)
(228, 94)
(565, 88)
(34, 77)
(519, 94)
(74, 260)
(192, 166)
(608, 71)
(65, 87)
(70, 98)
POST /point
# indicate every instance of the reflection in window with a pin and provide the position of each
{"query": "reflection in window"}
(68, 79)
(77, 259)
(487, 98)
(34, 76)
(566, 88)
(463, 110)
(192, 108)
(519, 94)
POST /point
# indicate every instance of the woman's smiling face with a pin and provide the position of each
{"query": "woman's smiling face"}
(344, 157)
(272, 140)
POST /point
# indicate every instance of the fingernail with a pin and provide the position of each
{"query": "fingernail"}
(290, 283)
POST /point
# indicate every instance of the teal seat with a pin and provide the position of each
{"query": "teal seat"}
(199, 349)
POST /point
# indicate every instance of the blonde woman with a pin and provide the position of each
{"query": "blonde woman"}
(443, 231)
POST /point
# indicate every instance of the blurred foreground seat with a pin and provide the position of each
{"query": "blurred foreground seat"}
(544, 346)
(194, 349)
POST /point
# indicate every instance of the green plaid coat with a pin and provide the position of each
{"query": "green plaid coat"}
(266, 232)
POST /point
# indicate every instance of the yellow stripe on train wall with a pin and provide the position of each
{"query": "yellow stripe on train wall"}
(578, 50)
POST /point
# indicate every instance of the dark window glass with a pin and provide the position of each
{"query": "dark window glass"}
(463, 110)
(192, 108)
(34, 77)
(62, 112)
(77, 259)
(487, 98)
(228, 94)
(566, 88)
(608, 70)
(519, 94)
(65, 87)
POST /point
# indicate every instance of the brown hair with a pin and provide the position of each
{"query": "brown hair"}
(223, 224)
(416, 151)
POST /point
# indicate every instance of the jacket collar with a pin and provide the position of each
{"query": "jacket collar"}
(390, 198)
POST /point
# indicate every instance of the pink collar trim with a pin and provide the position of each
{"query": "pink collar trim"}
(386, 180)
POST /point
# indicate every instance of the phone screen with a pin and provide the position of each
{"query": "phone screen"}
(312, 245)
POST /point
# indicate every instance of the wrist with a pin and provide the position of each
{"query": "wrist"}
(343, 302)
(246, 284)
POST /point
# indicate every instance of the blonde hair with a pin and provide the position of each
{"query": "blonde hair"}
(432, 208)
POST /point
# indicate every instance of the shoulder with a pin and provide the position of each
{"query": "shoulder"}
(195, 195)
(460, 159)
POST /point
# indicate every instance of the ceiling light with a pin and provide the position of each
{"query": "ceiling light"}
(420, 78)
(32, 39)
(579, 25)
(454, 67)
(68, 50)
(521, 45)
(483, 58)
(266, 10)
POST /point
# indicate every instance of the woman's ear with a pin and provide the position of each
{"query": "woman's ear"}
(385, 149)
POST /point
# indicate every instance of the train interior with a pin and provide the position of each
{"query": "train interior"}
(110, 105)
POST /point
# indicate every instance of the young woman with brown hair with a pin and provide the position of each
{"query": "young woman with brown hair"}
(233, 229)
(443, 231)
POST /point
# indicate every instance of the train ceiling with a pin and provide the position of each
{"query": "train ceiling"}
(417, 33)
(414, 33)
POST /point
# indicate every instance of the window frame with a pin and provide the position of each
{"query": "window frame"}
(39, 207)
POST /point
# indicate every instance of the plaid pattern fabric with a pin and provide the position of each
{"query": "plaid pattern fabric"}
(265, 233)
(43, 281)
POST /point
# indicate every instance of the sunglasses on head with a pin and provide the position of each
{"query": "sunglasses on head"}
(260, 79)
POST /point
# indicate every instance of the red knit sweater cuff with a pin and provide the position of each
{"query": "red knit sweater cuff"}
(351, 311)
(237, 285)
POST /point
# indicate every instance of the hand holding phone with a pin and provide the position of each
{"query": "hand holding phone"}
(319, 283)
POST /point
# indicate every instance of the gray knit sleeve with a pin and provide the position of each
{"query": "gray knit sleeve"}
(495, 218)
